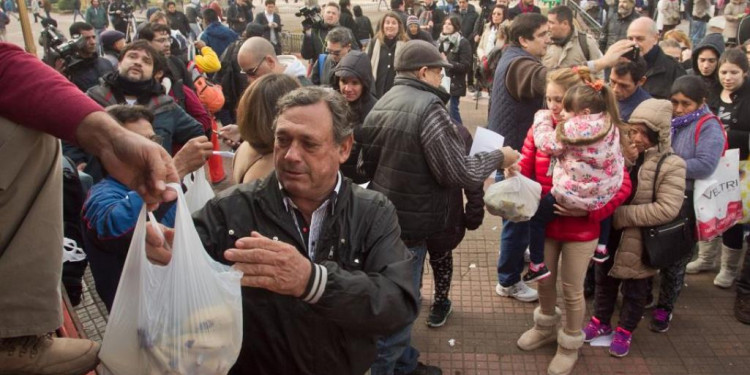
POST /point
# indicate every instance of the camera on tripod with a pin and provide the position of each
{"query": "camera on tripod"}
(56, 47)
(312, 18)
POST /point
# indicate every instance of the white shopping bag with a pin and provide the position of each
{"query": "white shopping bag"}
(717, 199)
(515, 198)
(182, 318)
(445, 82)
(199, 191)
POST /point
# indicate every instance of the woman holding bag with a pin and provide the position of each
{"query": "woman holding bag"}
(733, 108)
(701, 150)
(625, 270)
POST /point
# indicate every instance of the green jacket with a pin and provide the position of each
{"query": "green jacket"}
(97, 17)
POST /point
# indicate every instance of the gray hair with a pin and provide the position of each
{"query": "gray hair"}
(310, 95)
(340, 35)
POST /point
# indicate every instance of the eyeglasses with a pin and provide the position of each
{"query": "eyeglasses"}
(253, 73)
(334, 53)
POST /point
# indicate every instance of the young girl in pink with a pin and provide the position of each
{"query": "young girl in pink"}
(587, 166)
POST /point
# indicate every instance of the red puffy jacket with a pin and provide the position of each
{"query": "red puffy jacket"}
(535, 165)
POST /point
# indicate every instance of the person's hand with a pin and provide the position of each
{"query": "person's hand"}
(270, 264)
(139, 163)
(273, 25)
(614, 53)
(630, 152)
(199, 44)
(565, 211)
(687, 54)
(230, 135)
(476, 38)
(510, 156)
(159, 243)
(512, 170)
(59, 65)
(81, 166)
(192, 155)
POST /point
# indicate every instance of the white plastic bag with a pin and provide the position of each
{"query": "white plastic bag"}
(182, 318)
(717, 199)
(199, 191)
(515, 198)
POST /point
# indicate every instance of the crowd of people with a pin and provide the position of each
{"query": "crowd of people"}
(616, 131)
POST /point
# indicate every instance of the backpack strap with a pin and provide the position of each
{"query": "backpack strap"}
(705, 118)
(582, 40)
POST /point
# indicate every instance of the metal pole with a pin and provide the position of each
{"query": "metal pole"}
(28, 37)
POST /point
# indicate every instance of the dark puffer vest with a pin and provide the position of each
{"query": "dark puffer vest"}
(394, 159)
(509, 117)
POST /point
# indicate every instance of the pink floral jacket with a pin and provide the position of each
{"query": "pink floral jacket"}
(589, 165)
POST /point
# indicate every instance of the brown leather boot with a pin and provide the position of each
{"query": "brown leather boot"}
(47, 355)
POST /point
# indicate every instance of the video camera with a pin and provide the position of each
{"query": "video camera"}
(312, 18)
(56, 47)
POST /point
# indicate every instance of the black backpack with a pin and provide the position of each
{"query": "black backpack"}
(487, 67)
(73, 199)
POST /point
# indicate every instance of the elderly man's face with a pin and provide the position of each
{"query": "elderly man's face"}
(305, 153)
(625, 7)
(643, 35)
(136, 66)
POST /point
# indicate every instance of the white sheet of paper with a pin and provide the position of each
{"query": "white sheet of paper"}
(486, 140)
(603, 340)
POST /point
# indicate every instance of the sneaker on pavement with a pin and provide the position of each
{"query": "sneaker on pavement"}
(537, 275)
(47, 355)
(423, 369)
(660, 320)
(439, 312)
(519, 291)
(594, 329)
(620, 345)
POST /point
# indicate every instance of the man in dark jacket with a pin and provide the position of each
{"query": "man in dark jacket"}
(271, 22)
(662, 69)
(339, 42)
(85, 72)
(133, 82)
(626, 79)
(325, 272)
(216, 35)
(414, 156)
(239, 14)
(177, 20)
(616, 26)
(313, 43)
(523, 7)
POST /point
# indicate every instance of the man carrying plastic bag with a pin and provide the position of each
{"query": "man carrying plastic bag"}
(325, 271)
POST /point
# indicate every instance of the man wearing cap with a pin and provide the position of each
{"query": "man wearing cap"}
(412, 153)
(111, 43)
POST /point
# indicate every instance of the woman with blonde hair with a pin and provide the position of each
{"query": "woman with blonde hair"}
(255, 115)
(389, 39)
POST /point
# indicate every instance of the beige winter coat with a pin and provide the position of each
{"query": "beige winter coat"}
(571, 53)
(641, 211)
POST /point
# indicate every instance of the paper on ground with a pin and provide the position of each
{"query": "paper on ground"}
(486, 140)
(602, 340)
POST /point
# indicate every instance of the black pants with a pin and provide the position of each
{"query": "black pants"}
(634, 294)
(743, 284)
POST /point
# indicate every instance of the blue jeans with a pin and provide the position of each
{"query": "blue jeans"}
(455, 115)
(513, 242)
(395, 353)
(697, 31)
